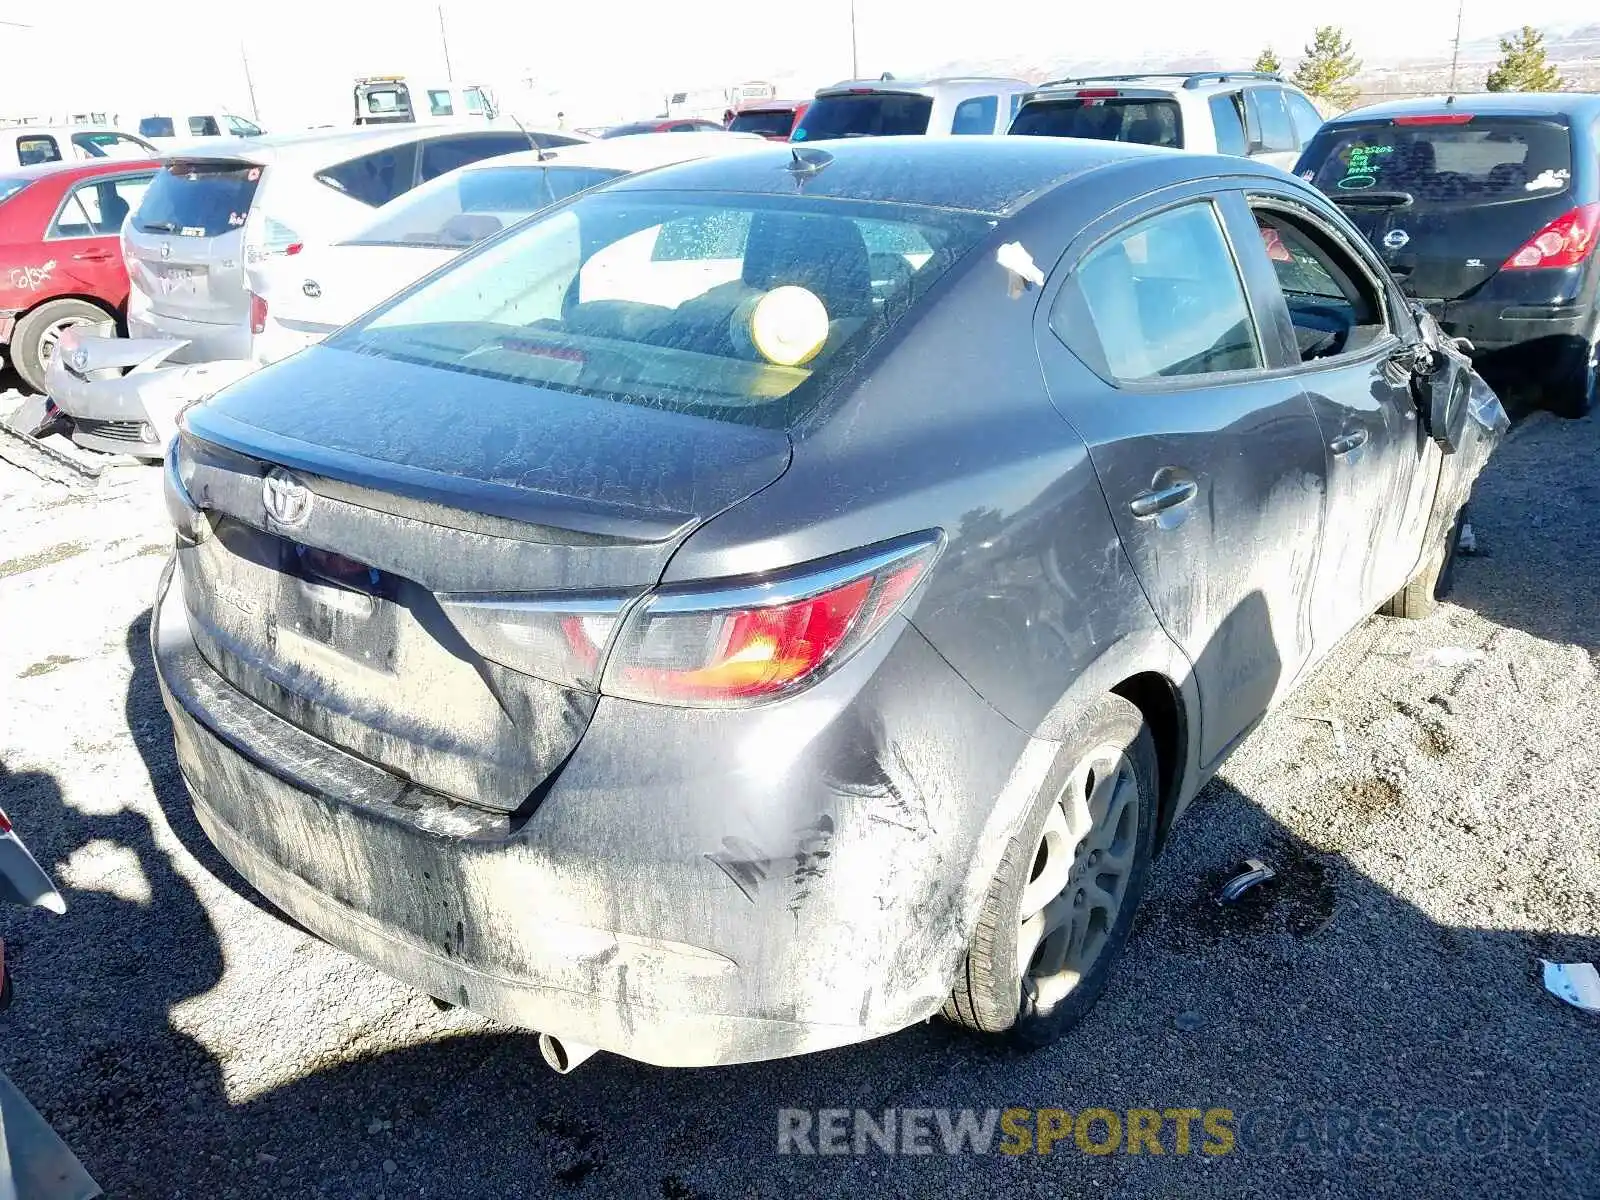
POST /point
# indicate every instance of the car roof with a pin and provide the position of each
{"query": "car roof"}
(68, 130)
(978, 174)
(1482, 104)
(320, 145)
(1169, 81)
(950, 83)
(79, 166)
(631, 152)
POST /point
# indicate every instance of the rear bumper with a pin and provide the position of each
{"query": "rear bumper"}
(1546, 341)
(694, 887)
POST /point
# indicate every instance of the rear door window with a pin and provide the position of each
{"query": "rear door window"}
(1159, 300)
(1457, 161)
(1271, 130)
(198, 198)
(204, 127)
(976, 115)
(440, 155)
(375, 178)
(865, 114)
(1229, 125)
(34, 148)
(1307, 120)
(97, 207)
(1148, 122)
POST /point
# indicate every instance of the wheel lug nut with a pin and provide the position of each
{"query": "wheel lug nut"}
(1077, 901)
(1094, 858)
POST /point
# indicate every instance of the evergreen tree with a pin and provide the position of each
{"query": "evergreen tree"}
(1523, 66)
(1328, 68)
(1269, 62)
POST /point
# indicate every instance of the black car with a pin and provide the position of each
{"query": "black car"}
(758, 604)
(1486, 209)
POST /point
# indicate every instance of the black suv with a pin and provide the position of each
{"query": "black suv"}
(1486, 209)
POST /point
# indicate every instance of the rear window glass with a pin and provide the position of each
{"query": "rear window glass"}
(1147, 122)
(767, 124)
(741, 308)
(387, 101)
(156, 127)
(1486, 158)
(198, 199)
(37, 148)
(468, 206)
(875, 114)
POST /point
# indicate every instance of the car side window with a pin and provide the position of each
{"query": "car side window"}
(37, 148)
(1229, 124)
(239, 127)
(375, 178)
(97, 207)
(1307, 120)
(446, 154)
(156, 127)
(439, 104)
(1333, 303)
(1158, 300)
(1272, 132)
(204, 127)
(976, 115)
(475, 102)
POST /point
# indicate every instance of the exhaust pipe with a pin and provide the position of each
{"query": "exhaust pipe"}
(563, 1056)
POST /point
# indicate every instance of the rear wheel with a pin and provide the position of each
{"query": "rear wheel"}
(33, 341)
(1421, 595)
(1056, 916)
(1576, 395)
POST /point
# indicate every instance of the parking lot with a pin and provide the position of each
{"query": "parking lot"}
(1428, 800)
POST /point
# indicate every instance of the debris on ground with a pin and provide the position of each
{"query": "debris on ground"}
(1252, 873)
(1467, 543)
(1576, 983)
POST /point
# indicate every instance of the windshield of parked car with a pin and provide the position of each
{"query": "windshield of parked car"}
(1461, 159)
(768, 123)
(467, 206)
(864, 114)
(1113, 119)
(198, 198)
(738, 307)
(10, 187)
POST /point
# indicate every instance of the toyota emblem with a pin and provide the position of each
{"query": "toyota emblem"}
(286, 499)
(311, 288)
(166, 250)
(1396, 239)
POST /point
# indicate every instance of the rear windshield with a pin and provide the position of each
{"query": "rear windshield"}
(1476, 160)
(10, 187)
(872, 114)
(156, 127)
(1147, 122)
(198, 199)
(767, 124)
(738, 307)
(464, 207)
(385, 100)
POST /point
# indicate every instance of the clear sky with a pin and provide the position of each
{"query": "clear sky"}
(128, 57)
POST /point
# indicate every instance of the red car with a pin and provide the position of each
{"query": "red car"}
(60, 257)
(772, 119)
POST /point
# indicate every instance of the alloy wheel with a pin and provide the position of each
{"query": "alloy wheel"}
(1079, 879)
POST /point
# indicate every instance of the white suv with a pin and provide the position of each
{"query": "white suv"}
(1244, 113)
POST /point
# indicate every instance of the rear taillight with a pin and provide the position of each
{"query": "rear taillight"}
(738, 642)
(5, 822)
(1096, 93)
(747, 642)
(1565, 242)
(258, 313)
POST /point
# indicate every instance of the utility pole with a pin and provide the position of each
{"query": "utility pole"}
(1455, 54)
(855, 63)
(255, 113)
(444, 41)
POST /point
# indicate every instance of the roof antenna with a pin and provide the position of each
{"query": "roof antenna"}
(532, 145)
(805, 162)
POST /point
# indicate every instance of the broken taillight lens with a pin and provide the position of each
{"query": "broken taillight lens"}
(749, 641)
(561, 638)
(1565, 242)
(258, 313)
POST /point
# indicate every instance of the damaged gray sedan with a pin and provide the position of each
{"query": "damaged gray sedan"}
(767, 602)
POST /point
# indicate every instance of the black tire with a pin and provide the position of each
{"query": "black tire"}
(1421, 595)
(1577, 395)
(994, 993)
(30, 337)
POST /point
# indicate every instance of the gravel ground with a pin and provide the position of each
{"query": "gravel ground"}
(187, 1041)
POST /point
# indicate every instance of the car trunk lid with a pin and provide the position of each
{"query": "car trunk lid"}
(348, 624)
(1445, 198)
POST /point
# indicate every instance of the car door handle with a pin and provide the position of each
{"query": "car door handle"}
(1350, 441)
(1159, 500)
(92, 256)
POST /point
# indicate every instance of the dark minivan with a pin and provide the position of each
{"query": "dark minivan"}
(1486, 209)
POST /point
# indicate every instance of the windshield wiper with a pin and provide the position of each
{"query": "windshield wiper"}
(1376, 200)
(159, 226)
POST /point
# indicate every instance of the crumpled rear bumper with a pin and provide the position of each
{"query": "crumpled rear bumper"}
(121, 395)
